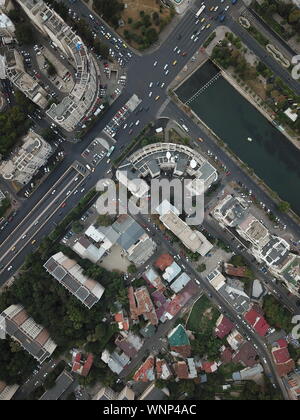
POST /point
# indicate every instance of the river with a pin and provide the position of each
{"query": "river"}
(274, 159)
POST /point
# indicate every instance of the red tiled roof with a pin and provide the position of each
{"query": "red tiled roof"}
(141, 373)
(285, 368)
(181, 370)
(281, 355)
(76, 366)
(224, 328)
(246, 355)
(231, 270)
(282, 343)
(88, 364)
(184, 351)
(258, 322)
(208, 367)
(226, 356)
(119, 317)
(164, 261)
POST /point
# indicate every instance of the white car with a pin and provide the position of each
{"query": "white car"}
(151, 84)
(137, 123)
(150, 94)
(162, 85)
(175, 49)
(226, 8)
(9, 268)
(166, 66)
(125, 125)
(167, 72)
(155, 63)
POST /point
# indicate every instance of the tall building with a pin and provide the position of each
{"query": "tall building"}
(70, 275)
(15, 71)
(34, 338)
(27, 159)
(7, 391)
(7, 28)
(84, 96)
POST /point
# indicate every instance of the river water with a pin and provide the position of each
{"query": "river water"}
(274, 159)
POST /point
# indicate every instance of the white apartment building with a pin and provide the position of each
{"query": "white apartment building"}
(27, 159)
(34, 338)
(84, 96)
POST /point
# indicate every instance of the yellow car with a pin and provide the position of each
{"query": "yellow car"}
(174, 63)
(13, 248)
(212, 8)
(208, 26)
(157, 98)
(33, 242)
(202, 20)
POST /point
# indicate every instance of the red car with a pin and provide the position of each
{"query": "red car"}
(63, 205)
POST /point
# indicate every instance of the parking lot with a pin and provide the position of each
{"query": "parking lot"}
(96, 152)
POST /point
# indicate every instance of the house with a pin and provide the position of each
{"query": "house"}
(146, 371)
(284, 363)
(123, 322)
(180, 282)
(164, 261)
(235, 340)
(226, 354)
(81, 364)
(140, 303)
(209, 367)
(171, 272)
(129, 343)
(233, 271)
(162, 369)
(179, 342)
(181, 370)
(223, 327)
(257, 321)
(246, 355)
(153, 279)
(115, 361)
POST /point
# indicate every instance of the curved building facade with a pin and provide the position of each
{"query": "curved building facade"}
(84, 96)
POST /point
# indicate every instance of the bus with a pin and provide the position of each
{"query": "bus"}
(110, 151)
(200, 11)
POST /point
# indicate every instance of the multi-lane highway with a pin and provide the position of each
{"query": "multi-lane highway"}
(151, 72)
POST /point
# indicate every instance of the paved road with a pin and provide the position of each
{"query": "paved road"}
(217, 299)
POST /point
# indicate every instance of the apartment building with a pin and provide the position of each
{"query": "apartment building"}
(34, 338)
(84, 96)
(15, 72)
(7, 28)
(70, 275)
(7, 391)
(27, 159)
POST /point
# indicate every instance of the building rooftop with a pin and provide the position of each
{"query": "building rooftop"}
(68, 273)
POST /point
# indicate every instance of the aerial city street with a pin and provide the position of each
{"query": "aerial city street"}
(149, 201)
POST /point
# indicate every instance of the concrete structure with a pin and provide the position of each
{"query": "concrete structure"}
(7, 391)
(27, 159)
(140, 303)
(70, 275)
(7, 28)
(84, 96)
(15, 72)
(180, 282)
(230, 211)
(115, 361)
(62, 383)
(34, 338)
(106, 393)
(192, 239)
(125, 232)
(152, 160)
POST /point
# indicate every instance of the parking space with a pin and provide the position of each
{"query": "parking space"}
(96, 152)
